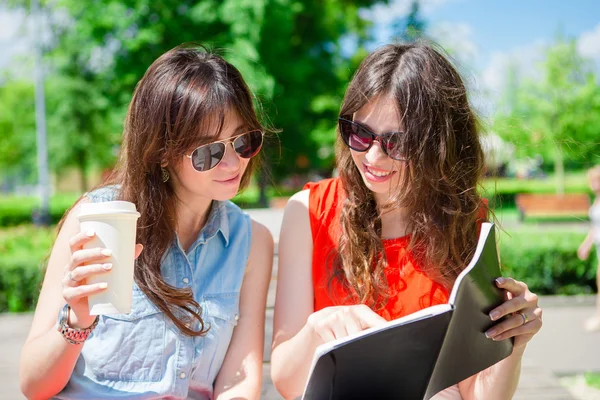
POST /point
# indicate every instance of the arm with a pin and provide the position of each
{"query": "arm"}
(47, 359)
(501, 379)
(584, 249)
(293, 343)
(240, 376)
(297, 329)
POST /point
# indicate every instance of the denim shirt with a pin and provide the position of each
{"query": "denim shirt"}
(143, 355)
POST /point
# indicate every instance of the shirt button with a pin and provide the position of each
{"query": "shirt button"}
(182, 375)
(186, 280)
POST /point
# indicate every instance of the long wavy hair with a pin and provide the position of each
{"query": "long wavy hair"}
(180, 103)
(437, 188)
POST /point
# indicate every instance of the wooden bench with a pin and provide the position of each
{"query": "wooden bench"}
(553, 205)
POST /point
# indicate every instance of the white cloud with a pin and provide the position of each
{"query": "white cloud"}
(457, 40)
(385, 14)
(12, 28)
(588, 44)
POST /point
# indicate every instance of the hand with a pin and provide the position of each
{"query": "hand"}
(85, 263)
(583, 252)
(333, 323)
(525, 315)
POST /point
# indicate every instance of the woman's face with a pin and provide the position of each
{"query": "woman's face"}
(380, 173)
(219, 183)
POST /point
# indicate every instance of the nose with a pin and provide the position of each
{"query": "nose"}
(231, 159)
(375, 153)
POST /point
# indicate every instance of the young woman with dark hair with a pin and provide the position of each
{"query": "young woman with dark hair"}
(389, 236)
(191, 141)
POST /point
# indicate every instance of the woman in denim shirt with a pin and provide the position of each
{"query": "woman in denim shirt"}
(197, 321)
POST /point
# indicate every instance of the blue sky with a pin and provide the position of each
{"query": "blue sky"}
(505, 25)
(487, 35)
(484, 34)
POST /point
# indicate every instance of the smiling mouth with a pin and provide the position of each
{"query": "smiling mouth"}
(379, 174)
(229, 180)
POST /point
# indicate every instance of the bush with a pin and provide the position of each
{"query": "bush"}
(547, 260)
(23, 253)
(17, 210)
(502, 191)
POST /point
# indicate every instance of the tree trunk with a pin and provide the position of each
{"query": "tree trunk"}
(82, 164)
(559, 169)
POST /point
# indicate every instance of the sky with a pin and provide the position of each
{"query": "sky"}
(484, 34)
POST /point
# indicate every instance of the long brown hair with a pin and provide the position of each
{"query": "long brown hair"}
(180, 103)
(438, 187)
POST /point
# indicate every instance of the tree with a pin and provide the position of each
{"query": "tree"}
(413, 26)
(289, 51)
(559, 114)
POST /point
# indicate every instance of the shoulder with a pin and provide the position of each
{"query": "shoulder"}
(261, 236)
(104, 193)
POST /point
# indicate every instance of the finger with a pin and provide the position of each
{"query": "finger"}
(513, 322)
(75, 293)
(97, 254)
(367, 317)
(338, 326)
(530, 328)
(138, 250)
(508, 307)
(324, 331)
(77, 241)
(353, 326)
(515, 287)
(86, 271)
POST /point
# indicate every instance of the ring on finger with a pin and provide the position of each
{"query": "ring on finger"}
(70, 275)
(525, 317)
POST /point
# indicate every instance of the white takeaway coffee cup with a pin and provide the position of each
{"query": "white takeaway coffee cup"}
(114, 223)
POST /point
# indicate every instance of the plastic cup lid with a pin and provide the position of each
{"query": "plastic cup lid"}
(107, 207)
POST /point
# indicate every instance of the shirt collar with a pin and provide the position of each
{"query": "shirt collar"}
(217, 221)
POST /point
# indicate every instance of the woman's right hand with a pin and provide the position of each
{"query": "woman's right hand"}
(85, 263)
(337, 322)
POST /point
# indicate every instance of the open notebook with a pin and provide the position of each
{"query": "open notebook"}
(416, 356)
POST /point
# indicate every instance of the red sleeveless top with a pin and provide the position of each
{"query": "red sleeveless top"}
(410, 288)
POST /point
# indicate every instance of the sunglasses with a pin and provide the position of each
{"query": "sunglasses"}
(208, 156)
(359, 138)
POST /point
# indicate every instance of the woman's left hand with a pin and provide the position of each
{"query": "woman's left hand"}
(525, 316)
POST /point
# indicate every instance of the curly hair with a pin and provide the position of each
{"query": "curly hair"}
(443, 167)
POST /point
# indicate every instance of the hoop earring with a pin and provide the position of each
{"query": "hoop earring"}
(165, 174)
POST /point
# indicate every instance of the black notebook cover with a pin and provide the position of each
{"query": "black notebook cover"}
(423, 353)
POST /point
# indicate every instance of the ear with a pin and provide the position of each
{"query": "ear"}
(164, 164)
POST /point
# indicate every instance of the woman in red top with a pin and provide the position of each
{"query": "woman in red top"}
(390, 235)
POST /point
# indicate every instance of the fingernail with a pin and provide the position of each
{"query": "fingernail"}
(107, 266)
(103, 285)
(90, 233)
(490, 334)
(499, 281)
(106, 252)
(494, 315)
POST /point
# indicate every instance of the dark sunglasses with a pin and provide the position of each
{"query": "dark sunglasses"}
(359, 138)
(208, 156)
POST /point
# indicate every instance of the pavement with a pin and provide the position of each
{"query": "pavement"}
(561, 348)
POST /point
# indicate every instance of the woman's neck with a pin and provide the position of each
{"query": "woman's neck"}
(190, 220)
(394, 223)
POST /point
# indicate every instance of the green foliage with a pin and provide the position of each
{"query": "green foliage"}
(17, 210)
(24, 251)
(548, 263)
(288, 50)
(592, 379)
(17, 124)
(557, 116)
